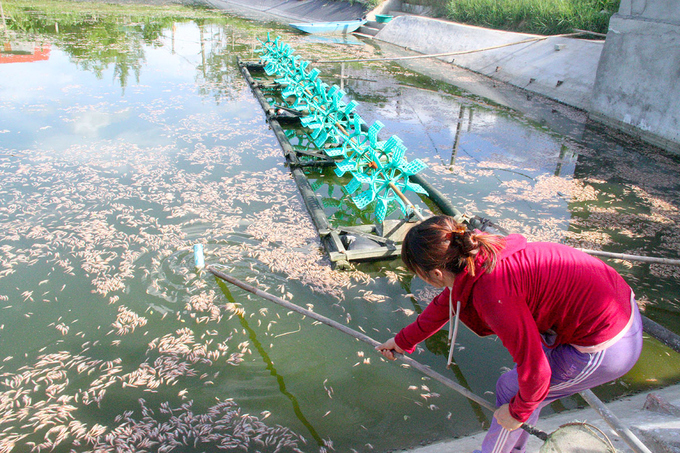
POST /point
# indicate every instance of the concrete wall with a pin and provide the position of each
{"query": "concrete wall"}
(385, 7)
(637, 87)
(662, 10)
(557, 67)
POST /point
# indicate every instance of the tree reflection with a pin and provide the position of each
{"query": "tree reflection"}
(99, 37)
(217, 75)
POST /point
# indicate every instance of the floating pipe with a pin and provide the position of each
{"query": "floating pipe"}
(665, 336)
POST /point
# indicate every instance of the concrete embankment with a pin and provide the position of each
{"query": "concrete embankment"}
(638, 81)
(630, 81)
(560, 68)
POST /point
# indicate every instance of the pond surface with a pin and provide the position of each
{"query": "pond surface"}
(128, 135)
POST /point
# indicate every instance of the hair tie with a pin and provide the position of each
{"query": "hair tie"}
(460, 231)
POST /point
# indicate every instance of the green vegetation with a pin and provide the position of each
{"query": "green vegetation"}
(546, 17)
(103, 21)
(372, 3)
(100, 36)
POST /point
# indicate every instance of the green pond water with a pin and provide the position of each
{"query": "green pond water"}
(127, 135)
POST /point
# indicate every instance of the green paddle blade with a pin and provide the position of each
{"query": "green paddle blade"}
(380, 169)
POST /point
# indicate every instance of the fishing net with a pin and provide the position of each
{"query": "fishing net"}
(578, 437)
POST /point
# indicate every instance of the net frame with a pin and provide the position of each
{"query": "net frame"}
(578, 437)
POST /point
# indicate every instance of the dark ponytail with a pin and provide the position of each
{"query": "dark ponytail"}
(442, 243)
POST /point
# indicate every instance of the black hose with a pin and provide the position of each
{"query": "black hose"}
(665, 336)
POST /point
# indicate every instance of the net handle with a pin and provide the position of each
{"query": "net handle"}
(366, 339)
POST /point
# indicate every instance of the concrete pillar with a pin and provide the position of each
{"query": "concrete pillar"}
(637, 86)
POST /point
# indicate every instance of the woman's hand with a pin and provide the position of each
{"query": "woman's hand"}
(388, 349)
(506, 420)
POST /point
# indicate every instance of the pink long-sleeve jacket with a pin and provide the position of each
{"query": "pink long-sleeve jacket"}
(536, 288)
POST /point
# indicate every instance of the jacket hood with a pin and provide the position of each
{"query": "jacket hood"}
(462, 286)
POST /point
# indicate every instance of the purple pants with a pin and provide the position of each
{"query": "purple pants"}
(572, 372)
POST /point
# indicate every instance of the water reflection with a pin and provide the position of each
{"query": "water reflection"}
(636, 210)
(270, 367)
(15, 51)
(120, 44)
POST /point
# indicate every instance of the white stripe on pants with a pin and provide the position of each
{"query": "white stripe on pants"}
(572, 372)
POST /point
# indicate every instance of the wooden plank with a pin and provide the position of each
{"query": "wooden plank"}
(313, 154)
(372, 237)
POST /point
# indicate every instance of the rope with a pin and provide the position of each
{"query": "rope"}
(586, 32)
(460, 52)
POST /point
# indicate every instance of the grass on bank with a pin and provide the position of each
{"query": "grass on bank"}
(545, 17)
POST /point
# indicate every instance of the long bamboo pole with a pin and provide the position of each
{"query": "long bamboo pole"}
(374, 343)
(633, 442)
(588, 395)
(624, 256)
(612, 420)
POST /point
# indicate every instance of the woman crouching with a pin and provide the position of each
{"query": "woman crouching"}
(569, 320)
